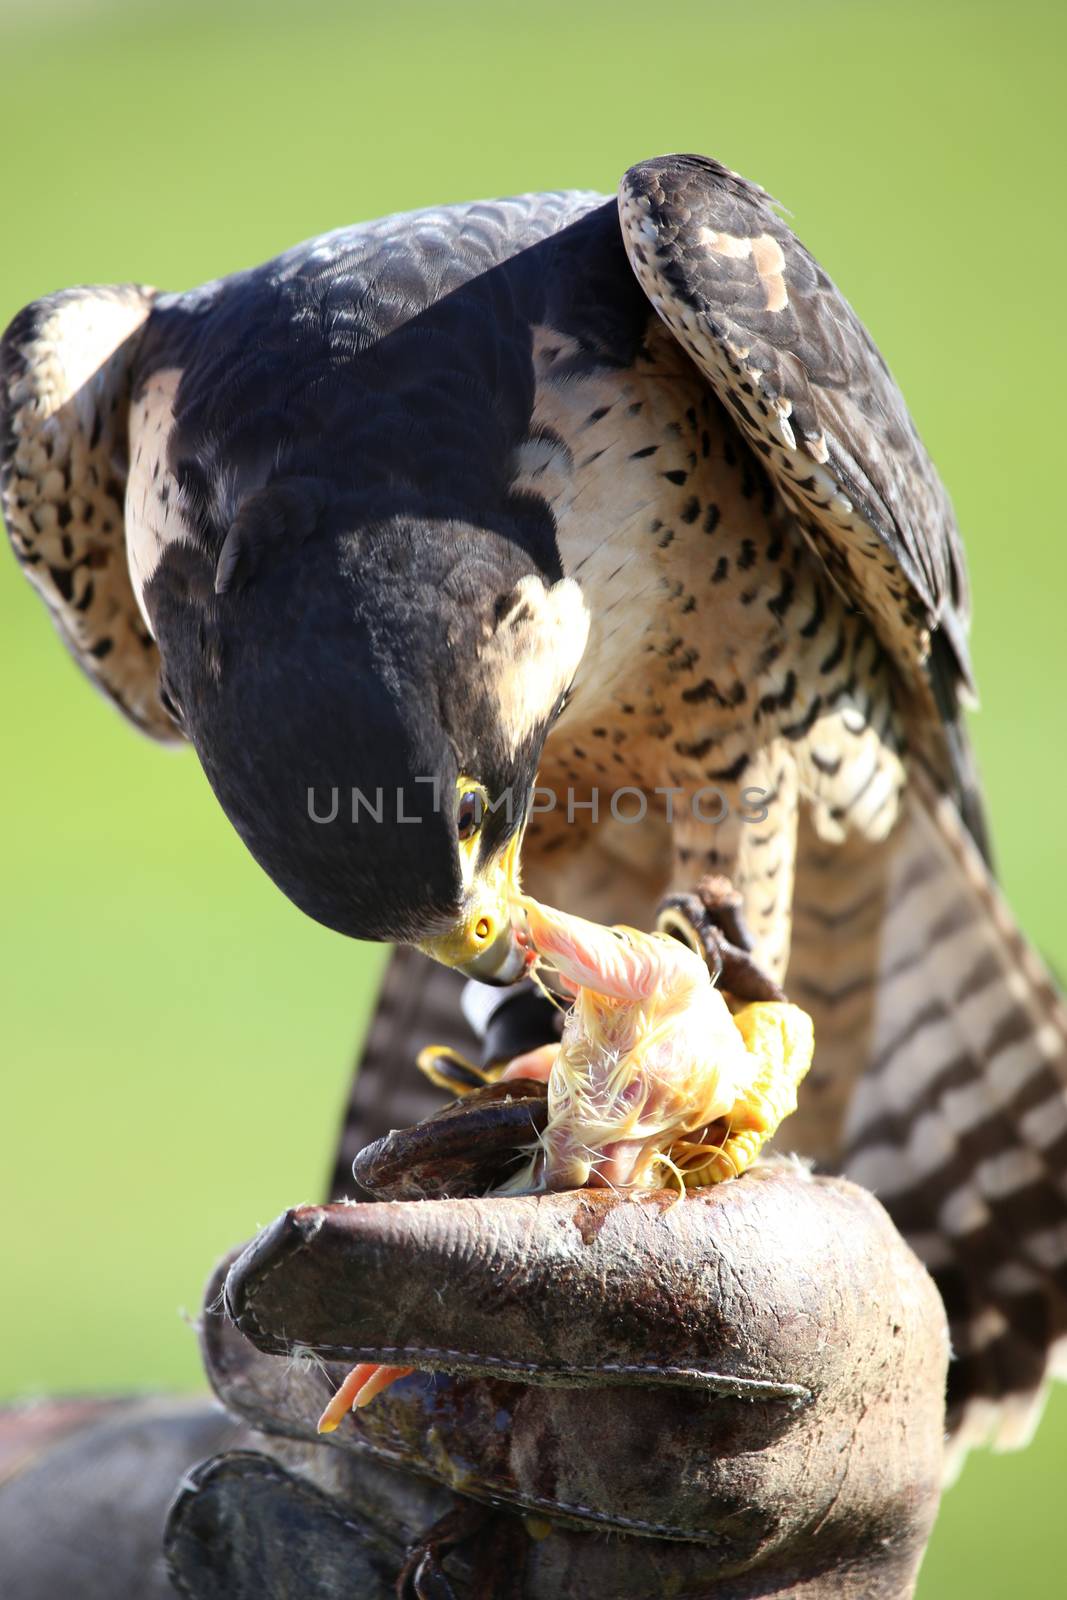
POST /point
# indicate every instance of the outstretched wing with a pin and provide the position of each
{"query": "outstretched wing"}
(784, 350)
(65, 375)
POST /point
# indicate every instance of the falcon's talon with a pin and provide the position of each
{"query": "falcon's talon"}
(719, 934)
(453, 1072)
(498, 1557)
(726, 907)
(421, 1577)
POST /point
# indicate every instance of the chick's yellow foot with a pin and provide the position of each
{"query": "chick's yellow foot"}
(358, 1390)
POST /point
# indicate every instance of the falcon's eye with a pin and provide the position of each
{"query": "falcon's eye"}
(468, 814)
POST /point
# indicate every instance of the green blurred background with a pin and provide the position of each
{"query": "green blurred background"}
(176, 1037)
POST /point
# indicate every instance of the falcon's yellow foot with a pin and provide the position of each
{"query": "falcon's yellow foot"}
(452, 1072)
(701, 1165)
(711, 922)
(780, 1039)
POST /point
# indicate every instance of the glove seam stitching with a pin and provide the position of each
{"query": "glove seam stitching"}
(754, 1388)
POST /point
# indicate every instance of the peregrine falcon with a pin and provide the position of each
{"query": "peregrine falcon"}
(597, 529)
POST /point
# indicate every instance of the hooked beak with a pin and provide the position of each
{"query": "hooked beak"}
(503, 962)
(485, 943)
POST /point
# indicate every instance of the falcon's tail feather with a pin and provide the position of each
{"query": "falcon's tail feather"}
(418, 1004)
(959, 1123)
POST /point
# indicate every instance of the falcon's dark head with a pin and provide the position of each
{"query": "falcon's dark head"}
(370, 710)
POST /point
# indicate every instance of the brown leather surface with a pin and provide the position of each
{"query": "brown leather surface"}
(734, 1396)
(741, 1371)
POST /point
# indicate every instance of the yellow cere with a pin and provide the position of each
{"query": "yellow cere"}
(480, 942)
(655, 1080)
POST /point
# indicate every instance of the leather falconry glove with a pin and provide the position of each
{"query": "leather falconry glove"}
(738, 1393)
